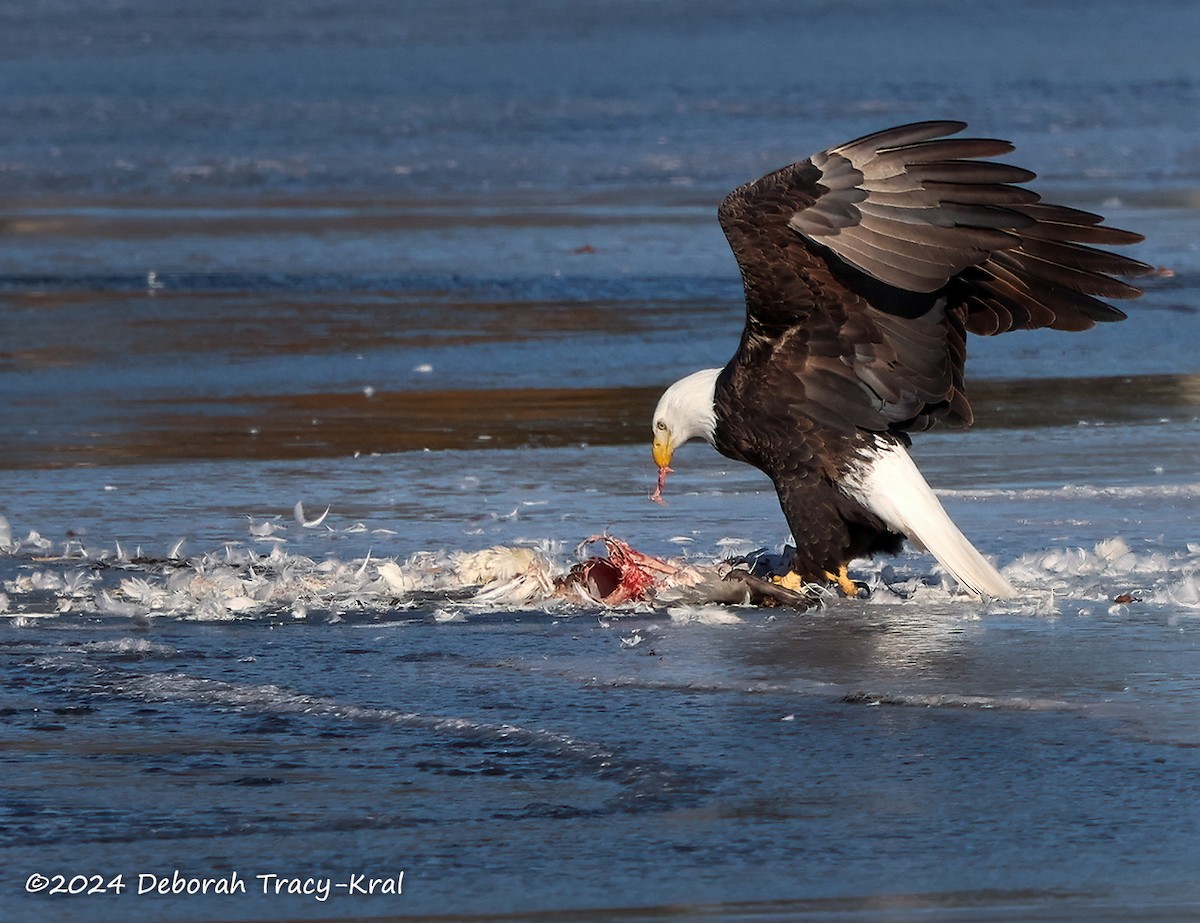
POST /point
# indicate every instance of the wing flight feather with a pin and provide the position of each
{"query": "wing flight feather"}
(886, 250)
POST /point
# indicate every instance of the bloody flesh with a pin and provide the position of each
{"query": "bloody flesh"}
(657, 496)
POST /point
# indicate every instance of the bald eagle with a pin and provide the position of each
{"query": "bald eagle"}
(864, 268)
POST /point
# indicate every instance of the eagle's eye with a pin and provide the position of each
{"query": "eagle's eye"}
(661, 426)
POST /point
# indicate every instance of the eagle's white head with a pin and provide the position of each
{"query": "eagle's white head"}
(685, 411)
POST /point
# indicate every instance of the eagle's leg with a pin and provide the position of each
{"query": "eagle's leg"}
(794, 582)
(842, 579)
(791, 581)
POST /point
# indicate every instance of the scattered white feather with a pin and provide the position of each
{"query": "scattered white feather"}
(265, 530)
(704, 615)
(243, 580)
(37, 542)
(1184, 592)
(298, 514)
(110, 606)
(500, 563)
(395, 578)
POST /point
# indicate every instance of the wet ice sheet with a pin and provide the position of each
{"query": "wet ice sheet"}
(288, 97)
(500, 198)
(1057, 488)
(327, 355)
(864, 750)
(862, 753)
(1106, 566)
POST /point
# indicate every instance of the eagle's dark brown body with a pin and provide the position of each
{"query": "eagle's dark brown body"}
(864, 269)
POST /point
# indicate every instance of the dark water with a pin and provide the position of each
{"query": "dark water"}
(429, 265)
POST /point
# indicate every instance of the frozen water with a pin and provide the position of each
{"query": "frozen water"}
(304, 313)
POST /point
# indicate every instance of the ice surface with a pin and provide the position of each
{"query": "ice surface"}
(257, 259)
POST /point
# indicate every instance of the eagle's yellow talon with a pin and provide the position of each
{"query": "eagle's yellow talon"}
(794, 582)
(842, 579)
(790, 581)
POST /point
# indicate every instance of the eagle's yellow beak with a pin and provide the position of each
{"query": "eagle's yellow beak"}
(662, 449)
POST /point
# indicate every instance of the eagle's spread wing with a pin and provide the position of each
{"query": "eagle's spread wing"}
(911, 212)
(865, 266)
(1051, 278)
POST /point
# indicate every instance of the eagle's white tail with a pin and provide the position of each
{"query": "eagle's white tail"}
(886, 481)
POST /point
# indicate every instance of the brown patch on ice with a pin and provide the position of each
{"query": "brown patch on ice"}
(330, 425)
